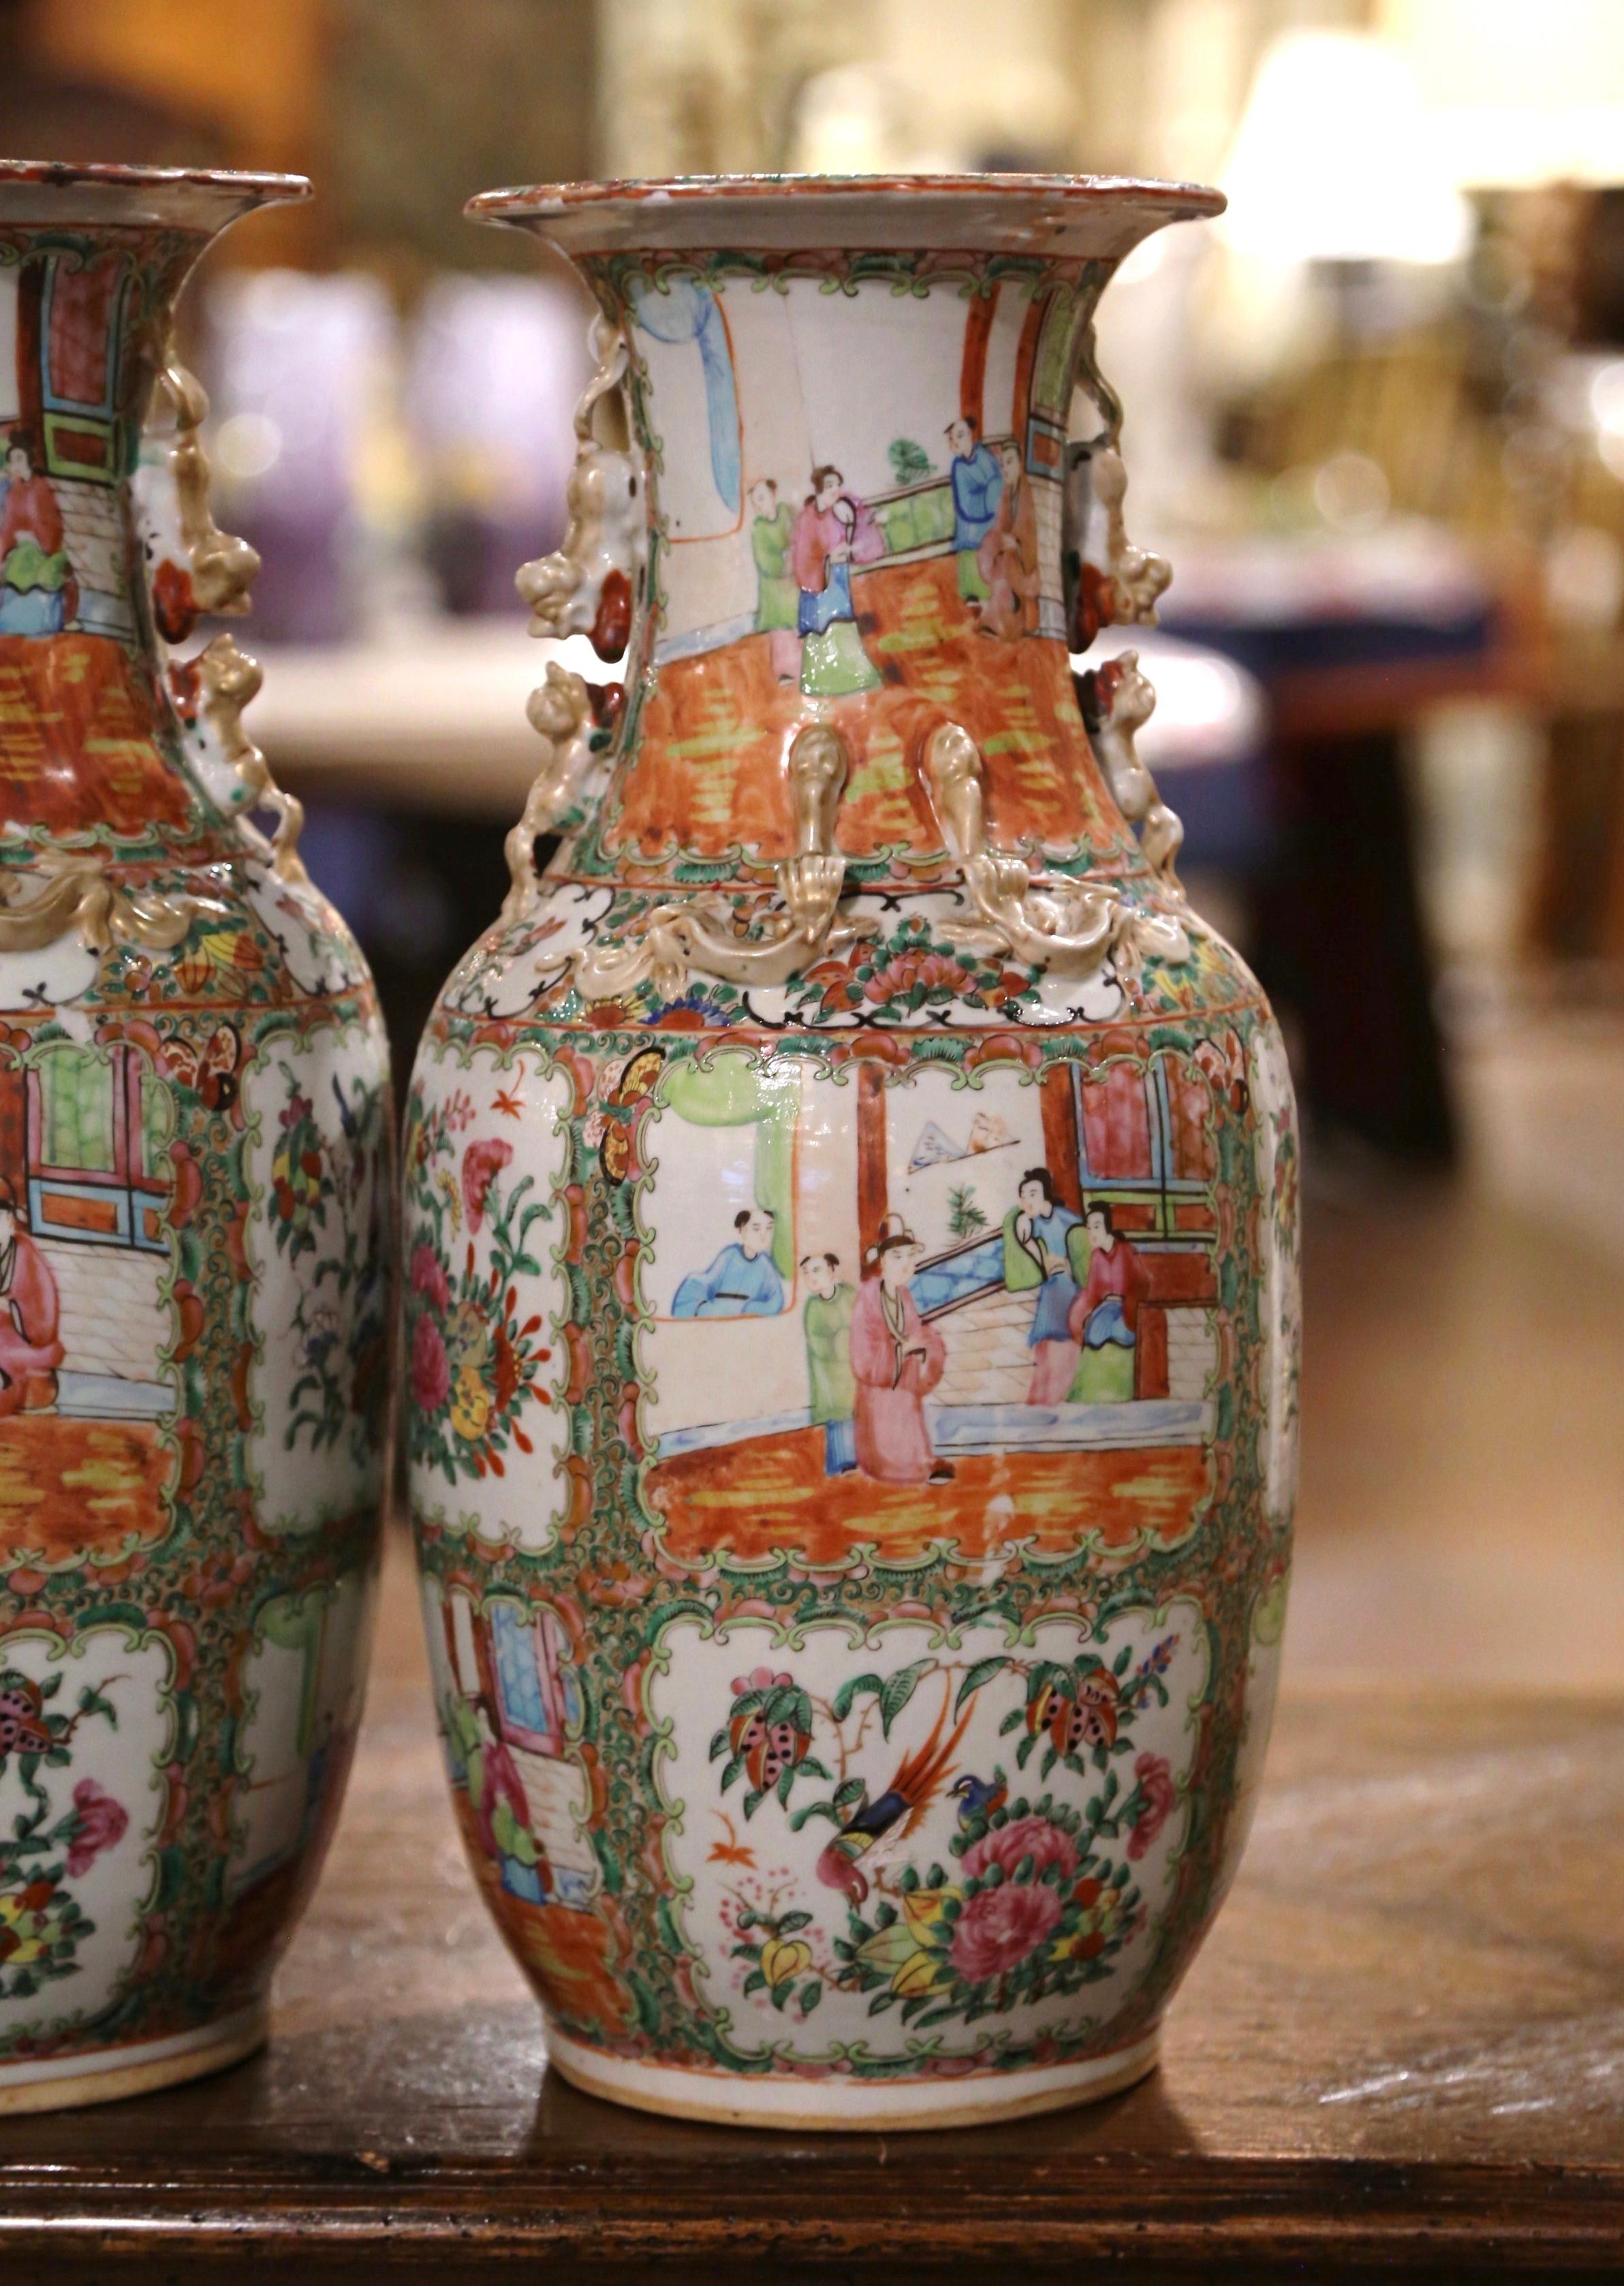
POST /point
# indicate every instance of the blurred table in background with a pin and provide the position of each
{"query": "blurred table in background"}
(434, 719)
(1289, 675)
(1354, 639)
(413, 757)
(1397, 2057)
(431, 721)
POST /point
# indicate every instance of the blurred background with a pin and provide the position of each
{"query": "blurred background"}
(1376, 418)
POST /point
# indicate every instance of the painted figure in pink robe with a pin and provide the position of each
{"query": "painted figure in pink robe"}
(494, 1779)
(29, 1350)
(896, 1360)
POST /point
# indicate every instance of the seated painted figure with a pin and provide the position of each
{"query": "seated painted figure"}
(36, 583)
(1105, 1316)
(743, 1281)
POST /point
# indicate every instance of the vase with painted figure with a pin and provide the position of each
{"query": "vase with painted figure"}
(196, 1201)
(850, 1202)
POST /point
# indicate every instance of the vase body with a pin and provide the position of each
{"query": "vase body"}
(195, 1204)
(850, 1206)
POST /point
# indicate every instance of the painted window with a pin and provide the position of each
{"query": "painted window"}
(726, 1146)
(99, 1121)
(83, 310)
(76, 1103)
(539, 1695)
(1143, 1142)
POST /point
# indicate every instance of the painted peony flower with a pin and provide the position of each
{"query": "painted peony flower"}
(998, 1929)
(1161, 1798)
(429, 1277)
(470, 1406)
(1006, 1846)
(430, 1372)
(100, 1823)
(934, 972)
(761, 1678)
(480, 1163)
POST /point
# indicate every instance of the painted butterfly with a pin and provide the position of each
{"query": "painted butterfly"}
(23, 1728)
(212, 1070)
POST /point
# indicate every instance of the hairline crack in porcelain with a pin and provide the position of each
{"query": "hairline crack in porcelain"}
(850, 1204)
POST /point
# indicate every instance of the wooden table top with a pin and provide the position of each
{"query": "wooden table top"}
(1400, 2056)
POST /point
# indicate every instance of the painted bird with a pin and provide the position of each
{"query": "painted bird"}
(984, 1795)
(918, 1776)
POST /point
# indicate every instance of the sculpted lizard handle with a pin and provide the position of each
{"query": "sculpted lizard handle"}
(1069, 929)
(589, 586)
(697, 934)
(194, 570)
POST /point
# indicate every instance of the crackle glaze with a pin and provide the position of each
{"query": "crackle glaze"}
(195, 1203)
(850, 1203)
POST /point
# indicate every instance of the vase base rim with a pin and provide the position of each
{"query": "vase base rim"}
(842, 2105)
(106, 2074)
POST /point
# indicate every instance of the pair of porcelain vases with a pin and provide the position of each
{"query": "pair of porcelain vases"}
(848, 1290)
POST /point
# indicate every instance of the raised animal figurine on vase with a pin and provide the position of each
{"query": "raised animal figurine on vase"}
(195, 1202)
(850, 1202)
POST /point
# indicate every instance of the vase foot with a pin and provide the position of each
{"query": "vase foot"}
(842, 2105)
(63, 2083)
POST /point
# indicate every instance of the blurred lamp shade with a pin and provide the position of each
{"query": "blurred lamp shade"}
(1331, 163)
(1513, 97)
(300, 368)
(494, 369)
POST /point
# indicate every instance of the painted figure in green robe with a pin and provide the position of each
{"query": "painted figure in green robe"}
(827, 1322)
(772, 536)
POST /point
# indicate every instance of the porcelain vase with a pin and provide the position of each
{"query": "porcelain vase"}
(850, 1202)
(195, 1204)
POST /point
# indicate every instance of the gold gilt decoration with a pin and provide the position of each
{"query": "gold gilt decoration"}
(223, 568)
(586, 587)
(69, 889)
(696, 933)
(1118, 701)
(559, 709)
(1137, 579)
(1070, 929)
(228, 678)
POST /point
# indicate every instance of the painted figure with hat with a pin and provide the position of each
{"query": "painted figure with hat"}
(898, 1360)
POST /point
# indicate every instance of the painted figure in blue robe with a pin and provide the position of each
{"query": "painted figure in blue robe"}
(743, 1281)
(978, 482)
(1045, 1253)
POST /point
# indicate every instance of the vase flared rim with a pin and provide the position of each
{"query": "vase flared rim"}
(1097, 215)
(176, 198)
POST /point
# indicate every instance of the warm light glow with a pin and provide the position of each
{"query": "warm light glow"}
(1331, 162)
(1513, 97)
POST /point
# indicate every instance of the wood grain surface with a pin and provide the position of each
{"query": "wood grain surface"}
(1399, 2057)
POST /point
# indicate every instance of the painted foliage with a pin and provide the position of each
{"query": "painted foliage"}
(483, 1295)
(852, 1642)
(196, 1227)
(79, 1816)
(708, 1397)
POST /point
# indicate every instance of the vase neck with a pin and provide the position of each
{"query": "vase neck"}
(856, 470)
(94, 739)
